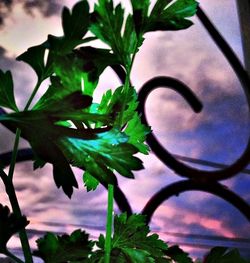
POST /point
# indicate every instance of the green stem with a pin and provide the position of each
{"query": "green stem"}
(32, 95)
(109, 223)
(11, 190)
(127, 85)
(14, 202)
(14, 154)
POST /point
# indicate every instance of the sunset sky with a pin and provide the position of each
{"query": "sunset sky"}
(219, 133)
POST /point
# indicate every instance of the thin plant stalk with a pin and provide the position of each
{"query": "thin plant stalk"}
(14, 154)
(33, 94)
(109, 224)
(11, 190)
(14, 202)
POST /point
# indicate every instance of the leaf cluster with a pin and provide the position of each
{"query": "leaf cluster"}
(224, 255)
(125, 35)
(48, 125)
(74, 248)
(132, 242)
(7, 98)
(66, 127)
(10, 224)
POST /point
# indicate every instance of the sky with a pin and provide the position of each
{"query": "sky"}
(219, 133)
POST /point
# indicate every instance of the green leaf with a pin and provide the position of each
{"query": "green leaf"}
(7, 98)
(107, 23)
(140, 13)
(81, 69)
(90, 182)
(109, 150)
(42, 136)
(176, 254)
(132, 232)
(132, 38)
(224, 255)
(93, 61)
(75, 26)
(98, 151)
(171, 15)
(10, 224)
(34, 56)
(62, 45)
(60, 96)
(74, 248)
(112, 104)
(137, 133)
(136, 255)
(132, 241)
(141, 5)
(39, 128)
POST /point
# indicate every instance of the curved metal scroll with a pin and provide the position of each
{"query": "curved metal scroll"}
(190, 185)
(206, 181)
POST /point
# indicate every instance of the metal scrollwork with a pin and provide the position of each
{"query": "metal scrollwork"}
(207, 181)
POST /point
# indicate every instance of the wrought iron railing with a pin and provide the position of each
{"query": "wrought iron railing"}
(194, 179)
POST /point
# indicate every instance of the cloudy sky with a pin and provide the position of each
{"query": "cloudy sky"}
(219, 133)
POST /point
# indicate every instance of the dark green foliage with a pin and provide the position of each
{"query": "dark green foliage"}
(133, 232)
(176, 254)
(113, 103)
(93, 61)
(132, 242)
(120, 105)
(34, 56)
(39, 128)
(108, 151)
(106, 24)
(137, 132)
(74, 248)
(224, 255)
(75, 23)
(140, 14)
(118, 132)
(10, 224)
(6, 91)
(97, 151)
(75, 26)
(90, 182)
(57, 92)
(131, 40)
(171, 15)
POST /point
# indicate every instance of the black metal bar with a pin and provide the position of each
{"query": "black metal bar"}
(176, 189)
(227, 52)
(244, 18)
(26, 154)
(167, 82)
